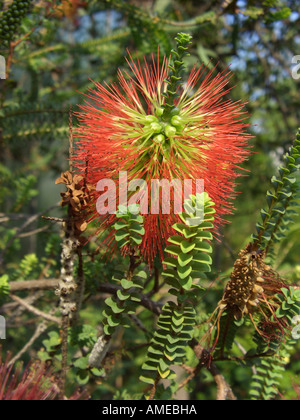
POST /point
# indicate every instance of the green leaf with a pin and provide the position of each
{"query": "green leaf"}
(114, 306)
(147, 380)
(81, 363)
(186, 284)
(121, 234)
(180, 227)
(176, 239)
(122, 295)
(120, 225)
(173, 249)
(170, 262)
(137, 240)
(184, 259)
(112, 321)
(126, 284)
(184, 272)
(187, 247)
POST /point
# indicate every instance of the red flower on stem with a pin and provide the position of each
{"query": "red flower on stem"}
(141, 126)
(34, 383)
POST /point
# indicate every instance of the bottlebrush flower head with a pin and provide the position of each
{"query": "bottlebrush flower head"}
(153, 126)
(35, 383)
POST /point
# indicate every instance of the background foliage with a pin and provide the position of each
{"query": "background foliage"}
(52, 52)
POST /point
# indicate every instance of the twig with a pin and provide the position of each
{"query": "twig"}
(28, 222)
(17, 308)
(80, 286)
(41, 328)
(156, 280)
(224, 391)
(154, 388)
(138, 323)
(70, 140)
(45, 284)
(12, 47)
(33, 232)
(64, 352)
(192, 374)
(15, 216)
(54, 219)
(16, 286)
(34, 310)
(225, 5)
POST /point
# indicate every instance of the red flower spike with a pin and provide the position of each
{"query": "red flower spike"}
(124, 130)
(35, 383)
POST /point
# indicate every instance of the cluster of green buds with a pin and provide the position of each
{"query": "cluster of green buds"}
(11, 19)
(160, 130)
(166, 122)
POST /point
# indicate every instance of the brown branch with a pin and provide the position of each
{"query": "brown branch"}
(33, 232)
(28, 222)
(17, 308)
(79, 292)
(12, 47)
(54, 219)
(224, 391)
(64, 353)
(17, 286)
(154, 388)
(192, 374)
(35, 311)
(48, 284)
(15, 216)
(154, 307)
(226, 4)
(41, 328)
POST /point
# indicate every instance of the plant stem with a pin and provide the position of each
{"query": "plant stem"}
(176, 71)
(154, 388)
(64, 352)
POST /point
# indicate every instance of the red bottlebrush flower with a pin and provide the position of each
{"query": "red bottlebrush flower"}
(127, 128)
(35, 383)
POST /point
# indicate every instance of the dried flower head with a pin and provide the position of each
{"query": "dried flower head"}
(77, 196)
(253, 289)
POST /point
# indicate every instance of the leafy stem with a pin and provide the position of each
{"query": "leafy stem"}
(176, 72)
(286, 190)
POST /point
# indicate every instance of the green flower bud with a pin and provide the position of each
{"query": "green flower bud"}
(150, 119)
(170, 131)
(159, 139)
(177, 121)
(175, 111)
(156, 127)
(159, 112)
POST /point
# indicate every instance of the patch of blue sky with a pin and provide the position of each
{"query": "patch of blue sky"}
(100, 21)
